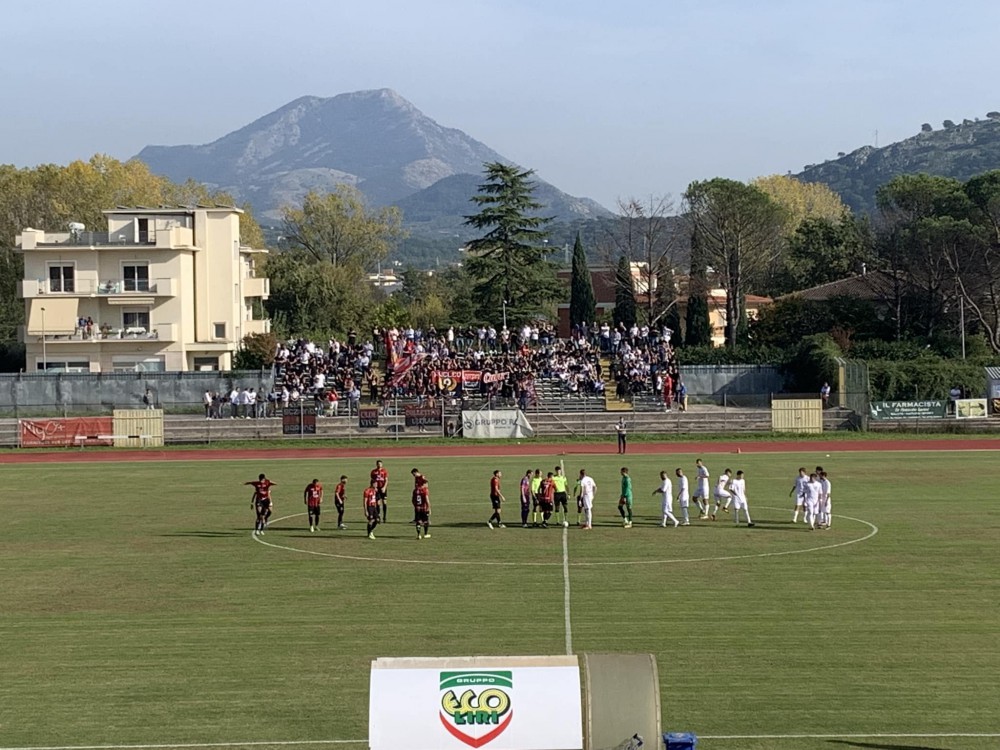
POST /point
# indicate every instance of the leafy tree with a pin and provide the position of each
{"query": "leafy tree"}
(582, 306)
(739, 230)
(948, 124)
(994, 115)
(256, 351)
(801, 200)
(341, 229)
(926, 128)
(509, 264)
(821, 251)
(625, 308)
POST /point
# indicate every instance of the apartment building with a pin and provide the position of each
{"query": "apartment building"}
(163, 289)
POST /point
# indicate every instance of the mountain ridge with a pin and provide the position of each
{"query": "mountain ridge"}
(375, 140)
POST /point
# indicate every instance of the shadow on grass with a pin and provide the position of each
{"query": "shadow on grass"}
(883, 746)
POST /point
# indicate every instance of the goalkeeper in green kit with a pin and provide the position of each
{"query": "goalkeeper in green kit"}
(625, 501)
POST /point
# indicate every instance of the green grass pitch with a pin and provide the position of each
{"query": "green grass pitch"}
(136, 608)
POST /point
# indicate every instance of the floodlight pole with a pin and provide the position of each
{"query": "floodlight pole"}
(45, 365)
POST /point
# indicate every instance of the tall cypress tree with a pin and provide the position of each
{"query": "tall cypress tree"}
(698, 327)
(582, 306)
(625, 310)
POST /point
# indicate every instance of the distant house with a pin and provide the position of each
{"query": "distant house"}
(717, 311)
(876, 286)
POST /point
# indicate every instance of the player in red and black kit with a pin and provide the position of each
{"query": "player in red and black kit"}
(548, 495)
(261, 502)
(496, 499)
(312, 496)
(525, 498)
(340, 500)
(371, 508)
(421, 500)
(381, 479)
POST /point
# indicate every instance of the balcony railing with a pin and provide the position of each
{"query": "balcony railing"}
(96, 239)
(107, 334)
(33, 288)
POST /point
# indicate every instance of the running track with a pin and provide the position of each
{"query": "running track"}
(466, 449)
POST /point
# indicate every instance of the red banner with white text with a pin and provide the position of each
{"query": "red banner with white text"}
(62, 433)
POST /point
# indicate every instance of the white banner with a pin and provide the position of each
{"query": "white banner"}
(496, 423)
(499, 703)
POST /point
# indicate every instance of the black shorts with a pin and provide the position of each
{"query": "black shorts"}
(373, 514)
(314, 509)
(495, 501)
(339, 504)
(421, 516)
(546, 506)
(263, 508)
(380, 494)
(561, 499)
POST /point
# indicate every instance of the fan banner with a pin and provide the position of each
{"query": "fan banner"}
(496, 423)
(461, 703)
(66, 432)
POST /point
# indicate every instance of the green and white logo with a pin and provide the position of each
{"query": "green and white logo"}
(476, 706)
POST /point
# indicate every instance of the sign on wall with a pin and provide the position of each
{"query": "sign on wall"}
(970, 408)
(496, 423)
(422, 416)
(368, 417)
(908, 410)
(499, 703)
(66, 432)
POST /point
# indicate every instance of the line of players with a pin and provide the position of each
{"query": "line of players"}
(375, 499)
(545, 497)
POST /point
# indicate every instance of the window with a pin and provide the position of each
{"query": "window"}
(136, 277)
(61, 278)
(143, 229)
(206, 364)
(138, 364)
(220, 330)
(135, 321)
(63, 366)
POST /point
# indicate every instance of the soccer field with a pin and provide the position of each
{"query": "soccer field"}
(136, 608)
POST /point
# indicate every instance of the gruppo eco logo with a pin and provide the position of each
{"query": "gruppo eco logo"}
(475, 701)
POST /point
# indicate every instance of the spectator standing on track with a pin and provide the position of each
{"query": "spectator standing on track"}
(621, 428)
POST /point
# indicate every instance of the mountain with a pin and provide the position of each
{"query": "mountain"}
(960, 151)
(376, 140)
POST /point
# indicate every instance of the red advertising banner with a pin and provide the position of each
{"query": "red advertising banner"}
(62, 433)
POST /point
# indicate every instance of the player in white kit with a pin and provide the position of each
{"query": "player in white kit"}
(588, 488)
(666, 489)
(721, 493)
(812, 491)
(683, 497)
(738, 489)
(799, 490)
(825, 506)
(701, 496)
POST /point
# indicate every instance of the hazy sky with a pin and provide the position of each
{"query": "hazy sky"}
(603, 99)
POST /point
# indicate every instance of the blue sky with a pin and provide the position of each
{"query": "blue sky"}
(606, 100)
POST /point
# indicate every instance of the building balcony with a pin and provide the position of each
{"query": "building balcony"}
(165, 237)
(84, 287)
(103, 335)
(257, 287)
(256, 326)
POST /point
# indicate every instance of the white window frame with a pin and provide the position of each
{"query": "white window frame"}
(135, 264)
(61, 264)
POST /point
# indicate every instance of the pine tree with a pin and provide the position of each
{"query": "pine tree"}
(582, 307)
(625, 310)
(509, 263)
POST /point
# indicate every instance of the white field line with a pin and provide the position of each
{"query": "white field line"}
(565, 563)
(935, 735)
(292, 743)
(165, 746)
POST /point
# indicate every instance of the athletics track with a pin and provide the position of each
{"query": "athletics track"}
(473, 450)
